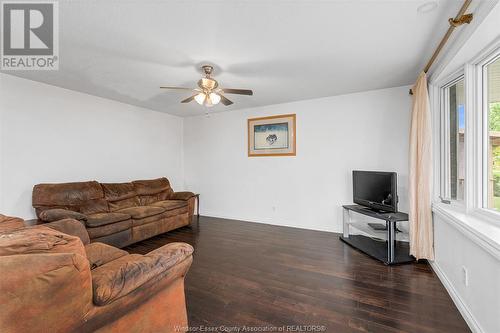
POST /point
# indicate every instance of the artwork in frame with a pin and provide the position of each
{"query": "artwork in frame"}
(272, 136)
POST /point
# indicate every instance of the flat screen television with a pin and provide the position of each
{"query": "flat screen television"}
(375, 190)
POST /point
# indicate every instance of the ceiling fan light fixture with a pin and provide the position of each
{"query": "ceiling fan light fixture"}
(214, 98)
(200, 98)
(208, 94)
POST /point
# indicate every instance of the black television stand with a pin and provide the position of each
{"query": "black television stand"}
(373, 210)
(388, 251)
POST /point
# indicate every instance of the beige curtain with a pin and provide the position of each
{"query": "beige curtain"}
(420, 190)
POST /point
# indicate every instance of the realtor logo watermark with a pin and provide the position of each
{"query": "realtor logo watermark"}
(29, 35)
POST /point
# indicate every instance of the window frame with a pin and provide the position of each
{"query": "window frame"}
(476, 121)
(476, 144)
(444, 192)
(483, 133)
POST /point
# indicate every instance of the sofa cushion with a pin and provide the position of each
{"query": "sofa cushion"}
(99, 219)
(51, 215)
(66, 195)
(123, 275)
(170, 204)
(99, 254)
(147, 200)
(166, 214)
(125, 203)
(152, 190)
(142, 211)
(39, 239)
(109, 229)
(120, 195)
(94, 206)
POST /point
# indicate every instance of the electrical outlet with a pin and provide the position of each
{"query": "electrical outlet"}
(465, 276)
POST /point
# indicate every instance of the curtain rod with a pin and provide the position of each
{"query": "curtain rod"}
(460, 19)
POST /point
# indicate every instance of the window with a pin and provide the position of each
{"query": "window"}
(454, 140)
(491, 149)
(469, 115)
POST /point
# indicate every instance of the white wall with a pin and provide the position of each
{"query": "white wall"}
(49, 134)
(457, 249)
(335, 135)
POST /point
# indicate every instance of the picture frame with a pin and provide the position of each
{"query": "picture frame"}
(272, 136)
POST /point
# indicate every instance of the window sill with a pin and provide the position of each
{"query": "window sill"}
(480, 230)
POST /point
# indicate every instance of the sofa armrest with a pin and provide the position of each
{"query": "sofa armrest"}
(71, 227)
(44, 292)
(8, 223)
(126, 274)
(50, 215)
(182, 195)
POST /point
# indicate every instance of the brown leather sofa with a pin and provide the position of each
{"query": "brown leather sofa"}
(117, 214)
(55, 280)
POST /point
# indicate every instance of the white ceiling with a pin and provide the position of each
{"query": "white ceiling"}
(283, 50)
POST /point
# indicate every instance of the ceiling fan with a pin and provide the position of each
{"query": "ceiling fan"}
(209, 93)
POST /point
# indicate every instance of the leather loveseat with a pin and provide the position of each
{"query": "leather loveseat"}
(117, 214)
(55, 280)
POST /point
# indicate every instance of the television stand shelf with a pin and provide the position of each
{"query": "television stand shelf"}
(388, 251)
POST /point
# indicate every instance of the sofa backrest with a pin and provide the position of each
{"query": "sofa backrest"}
(152, 190)
(120, 195)
(39, 239)
(69, 196)
(93, 197)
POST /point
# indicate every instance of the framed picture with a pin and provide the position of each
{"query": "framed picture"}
(272, 136)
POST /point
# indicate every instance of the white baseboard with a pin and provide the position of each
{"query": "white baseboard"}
(459, 303)
(266, 221)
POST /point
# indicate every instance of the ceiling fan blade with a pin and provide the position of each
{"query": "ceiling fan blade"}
(177, 88)
(224, 100)
(238, 91)
(189, 99)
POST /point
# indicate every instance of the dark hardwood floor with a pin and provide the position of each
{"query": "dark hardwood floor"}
(267, 276)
